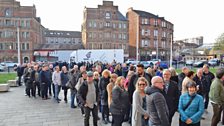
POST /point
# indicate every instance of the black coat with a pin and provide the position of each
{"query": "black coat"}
(202, 83)
(181, 77)
(157, 107)
(172, 97)
(103, 82)
(120, 101)
(133, 81)
(82, 93)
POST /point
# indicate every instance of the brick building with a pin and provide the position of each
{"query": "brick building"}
(13, 16)
(58, 45)
(105, 28)
(149, 30)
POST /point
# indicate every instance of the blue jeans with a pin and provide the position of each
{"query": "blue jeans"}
(73, 93)
(57, 91)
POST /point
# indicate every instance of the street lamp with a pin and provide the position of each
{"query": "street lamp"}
(18, 42)
(137, 37)
(171, 49)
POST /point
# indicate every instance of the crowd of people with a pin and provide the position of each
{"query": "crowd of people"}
(128, 93)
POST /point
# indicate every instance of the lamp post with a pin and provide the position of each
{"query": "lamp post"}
(18, 42)
(137, 37)
(171, 49)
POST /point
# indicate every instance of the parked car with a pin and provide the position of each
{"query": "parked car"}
(213, 62)
(2, 68)
(131, 61)
(9, 64)
(145, 63)
(189, 62)
(199, 63)
(164, 64)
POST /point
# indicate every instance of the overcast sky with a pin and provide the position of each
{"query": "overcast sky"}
(191, 18)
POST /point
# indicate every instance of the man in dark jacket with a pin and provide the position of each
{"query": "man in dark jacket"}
(201, 82)
(209, 77)
(134, 78)
(35, 80)
(171, 94)
(156, 103)
(73, 79)
(27, 78)
(88, 97)
(181, 77)
(44, 81)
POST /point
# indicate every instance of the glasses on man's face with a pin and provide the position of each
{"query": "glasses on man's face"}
(159, 82)
(141, 84)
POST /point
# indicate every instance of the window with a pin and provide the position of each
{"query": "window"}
(147, 32)
(163, 24)
(94, 24)
(27, 46)
(28, 24)
(144, 43)
(145, 21)
(120, 36)
(23, 46)
(155, 22)
(120, 25)
(8, 12)
(7, 22)
(164, 34)
(22, 24)
(90, 24)
(16, 23)
(107, 24)
(124, 36)
(155, 32)
(124, 26)
(1, 34)
(107, 15)
(143, 31)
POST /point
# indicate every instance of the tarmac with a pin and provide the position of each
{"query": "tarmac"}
(19, 110)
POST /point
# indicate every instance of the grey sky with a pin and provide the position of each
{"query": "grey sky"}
(191, 18)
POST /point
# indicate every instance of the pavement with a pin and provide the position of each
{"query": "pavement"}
(19, 110)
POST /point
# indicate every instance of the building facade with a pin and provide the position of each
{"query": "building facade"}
(58, 45)
(151, 33)
(13, 18)
(105, 28)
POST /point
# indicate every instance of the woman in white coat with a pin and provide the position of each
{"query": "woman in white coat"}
(139, 113)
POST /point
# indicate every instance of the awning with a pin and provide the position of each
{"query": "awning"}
(40, 53)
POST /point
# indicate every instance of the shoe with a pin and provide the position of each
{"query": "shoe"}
(44, 98)
(98, 118)
(104, 121)
(83, 115)
(66, 101)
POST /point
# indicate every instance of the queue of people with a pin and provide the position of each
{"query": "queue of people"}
(130, 94)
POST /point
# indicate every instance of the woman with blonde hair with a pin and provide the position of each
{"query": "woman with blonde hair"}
(103, 82)
(110, 87)
(139, 113)
(120, 101)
